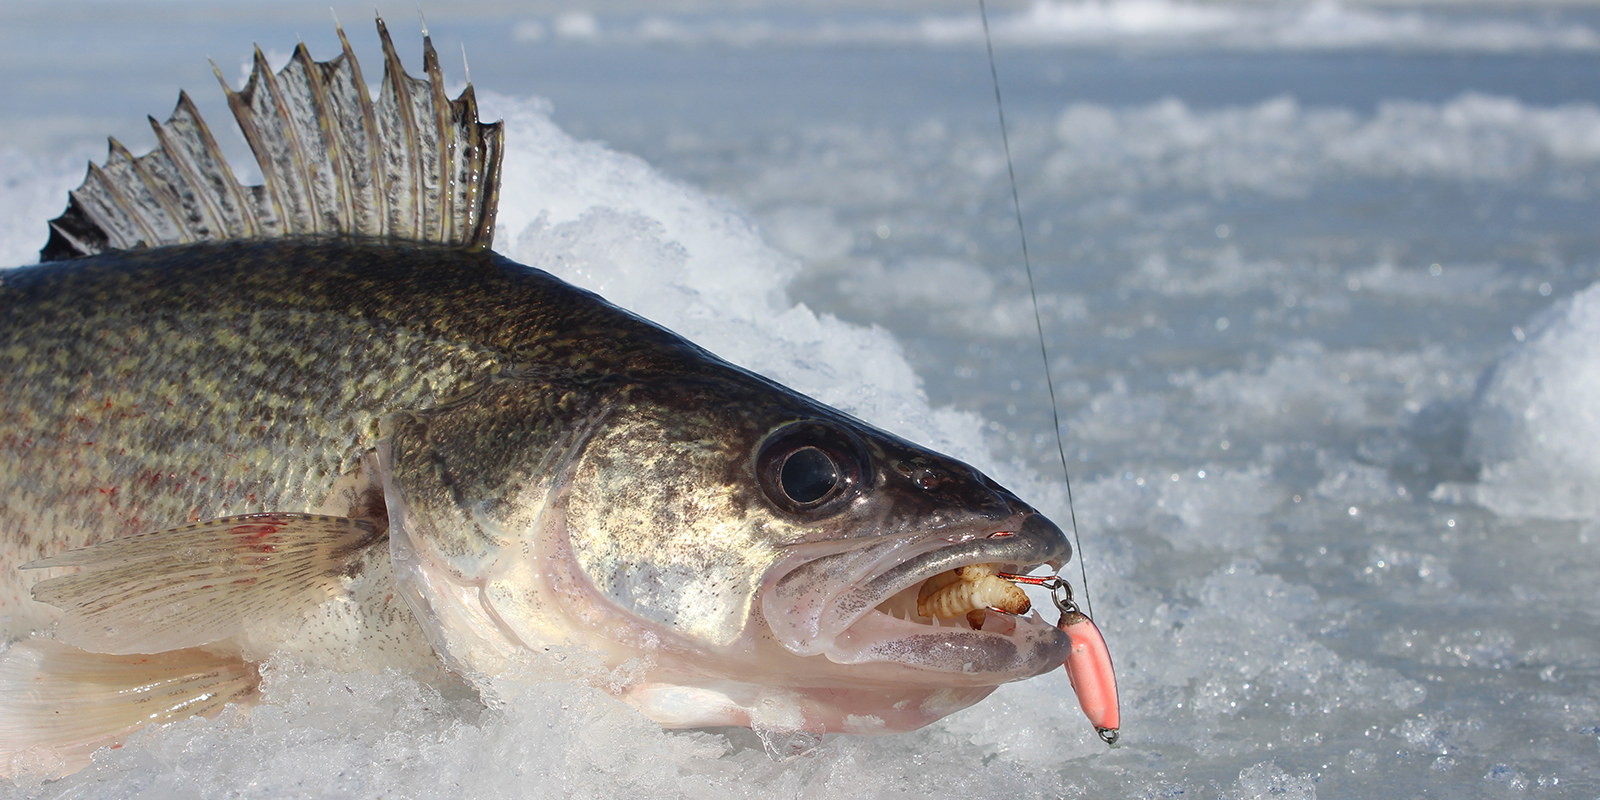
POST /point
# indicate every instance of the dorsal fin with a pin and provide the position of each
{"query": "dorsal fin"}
(412, 166)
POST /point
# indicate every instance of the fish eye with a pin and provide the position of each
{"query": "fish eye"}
(808, 475)
(809, 467)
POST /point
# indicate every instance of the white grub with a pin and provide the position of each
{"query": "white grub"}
(971, 572)
(967, 591)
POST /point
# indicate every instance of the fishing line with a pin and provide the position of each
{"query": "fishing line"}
(1038, 320)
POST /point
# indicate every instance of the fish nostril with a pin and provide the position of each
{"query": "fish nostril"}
(979, 496)
(926, 478)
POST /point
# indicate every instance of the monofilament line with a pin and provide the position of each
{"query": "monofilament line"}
(1038, 320)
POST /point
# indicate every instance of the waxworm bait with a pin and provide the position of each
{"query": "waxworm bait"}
(960, 596)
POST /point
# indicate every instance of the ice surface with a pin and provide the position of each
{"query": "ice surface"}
(1324, 368)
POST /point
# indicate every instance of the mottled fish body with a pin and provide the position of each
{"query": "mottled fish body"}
(321, 417)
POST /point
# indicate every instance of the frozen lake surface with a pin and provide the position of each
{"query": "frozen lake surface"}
(1318, 283)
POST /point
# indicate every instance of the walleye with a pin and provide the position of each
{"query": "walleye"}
(320, 416)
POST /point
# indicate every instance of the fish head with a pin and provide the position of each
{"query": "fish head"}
(759, 552)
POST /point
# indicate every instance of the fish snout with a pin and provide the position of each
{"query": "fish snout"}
(953, 485)
(1048, 538)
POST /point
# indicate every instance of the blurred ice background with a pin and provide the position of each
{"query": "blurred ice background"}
(1318, 281)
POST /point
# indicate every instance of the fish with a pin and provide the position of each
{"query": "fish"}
(321, 417)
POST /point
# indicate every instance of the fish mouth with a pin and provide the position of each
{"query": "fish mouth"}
(978, 633)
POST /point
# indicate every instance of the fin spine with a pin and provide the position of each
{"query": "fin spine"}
(368, 135)
(195, 209)
(99, 197)
(189, 141)
(442, 118)
(336, 203)
(487, 181)
(175, 226)
(73, 233)
(405, 216)
(141, 204)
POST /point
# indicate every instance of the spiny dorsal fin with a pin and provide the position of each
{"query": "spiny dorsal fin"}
(411, 166)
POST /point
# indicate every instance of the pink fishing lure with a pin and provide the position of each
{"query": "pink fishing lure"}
(1093, 678)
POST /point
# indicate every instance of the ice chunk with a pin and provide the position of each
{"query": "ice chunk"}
(1536, 426)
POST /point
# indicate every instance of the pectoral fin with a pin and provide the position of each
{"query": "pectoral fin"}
(59, 704)
(190, 586)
